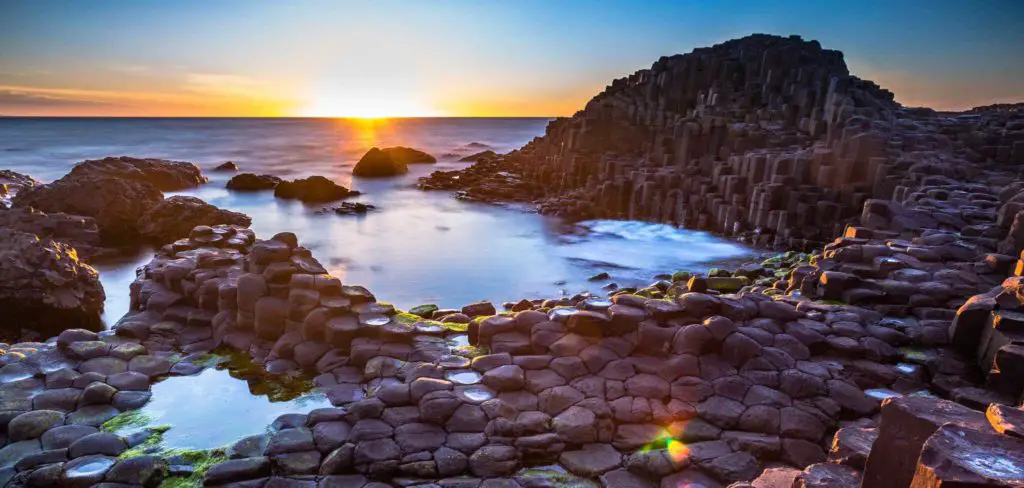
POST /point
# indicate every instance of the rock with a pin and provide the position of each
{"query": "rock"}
(827, 475)
(376, 164)
(99, 443)
(956, 455)
(852, 445)
(163, 174)
(11, 183)
(591, 461)
(76, 231)
(252, 182)
(906, 424)
(147, 471)
(312, 189)
(1006, 420)
(32, 425)
(237, 470)
(174, 217)
(116, 204)
(226, 166)
(505, 378)
(576, 425)
(44, 286)
(493, 460)
(407, 155)
(472, 158)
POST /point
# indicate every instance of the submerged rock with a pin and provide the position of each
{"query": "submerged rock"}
(163, 174)
(378, 164)
(252, 182)
(312, 189)
(350, 208)
(44, 286)
(174, 218)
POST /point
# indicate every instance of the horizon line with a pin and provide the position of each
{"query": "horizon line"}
(279, 117)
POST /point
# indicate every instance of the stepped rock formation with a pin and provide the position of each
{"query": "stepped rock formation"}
(764, 136)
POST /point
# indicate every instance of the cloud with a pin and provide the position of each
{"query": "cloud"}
(22, 98)
(225, 85)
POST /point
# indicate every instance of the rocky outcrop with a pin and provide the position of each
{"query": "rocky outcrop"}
(226, 167)
(115, 203)
(767, 138)
(11, 183)
(78, 232)
(163, 174)
(312, 189)
(378, 164)
(174, 217)
(252, 182)
(44, 286)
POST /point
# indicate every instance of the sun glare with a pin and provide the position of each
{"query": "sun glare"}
(359, 107)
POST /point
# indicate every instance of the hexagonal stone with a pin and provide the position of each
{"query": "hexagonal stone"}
(960, 456)
(63, 436)
(296, 463)
(93, 415)
(494, 460)
(130, 400)
(32, 425)
(16, 451)
(376, 450)
(86, 470)
(150, 366)
(419, 437)
(238, 470)
(98, 443)
(139, 470)
(61, 399)
(592, 460)
(97, 394)
(104, 365)
(291, 440)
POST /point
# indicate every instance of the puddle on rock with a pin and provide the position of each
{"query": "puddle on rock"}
(463, 377)
(222, 404)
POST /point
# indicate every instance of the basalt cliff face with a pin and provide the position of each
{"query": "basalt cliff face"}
(766, 137)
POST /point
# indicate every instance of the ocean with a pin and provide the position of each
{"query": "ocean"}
(417, 247)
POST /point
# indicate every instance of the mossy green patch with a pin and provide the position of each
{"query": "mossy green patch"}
(201, 462)
(124, 420)
(469, 351)
(681, 276)
(277, 388)
(425, 310)
(406, 318)
(152, 445)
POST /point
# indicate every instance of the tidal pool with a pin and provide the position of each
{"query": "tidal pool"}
(219, 406)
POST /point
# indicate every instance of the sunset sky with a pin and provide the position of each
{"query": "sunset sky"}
(460, 58)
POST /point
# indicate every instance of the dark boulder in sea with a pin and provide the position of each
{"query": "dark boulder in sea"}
(227, 166)
(252, 182)
(11, 183)
(163, 174)
(44, 286)
(175, 217)
(377, 164)
(116, 203)
(408, 155)
(312, 189)
(472, 158)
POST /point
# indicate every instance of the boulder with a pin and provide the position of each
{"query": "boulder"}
(76, 231)
(408, 155)
(226, 166)
(312, 189)
(163, 174)
(907, 422)
(377, 164)
(175, 217)
(956, 456)
(252, 182)
(43, 285)
(115, 203)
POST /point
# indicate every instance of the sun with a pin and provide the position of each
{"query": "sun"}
(364, 107)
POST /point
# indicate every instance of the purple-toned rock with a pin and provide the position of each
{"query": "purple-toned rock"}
(958, 456)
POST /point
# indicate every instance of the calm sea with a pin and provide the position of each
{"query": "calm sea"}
(418, 247)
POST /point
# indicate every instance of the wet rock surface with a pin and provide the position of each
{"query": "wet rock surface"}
(377, 164)
(175, 216)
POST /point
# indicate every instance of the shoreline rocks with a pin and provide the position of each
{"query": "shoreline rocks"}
(44, 287)
(176, 216)
(252, 182)
(163, 174)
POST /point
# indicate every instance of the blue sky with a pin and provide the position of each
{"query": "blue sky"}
(333, 57)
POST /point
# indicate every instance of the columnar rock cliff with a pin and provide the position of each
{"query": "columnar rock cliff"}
(765, 135)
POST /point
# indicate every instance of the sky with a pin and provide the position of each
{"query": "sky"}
(337, 58)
